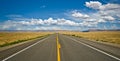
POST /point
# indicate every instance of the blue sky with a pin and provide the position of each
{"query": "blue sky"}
(59, 14)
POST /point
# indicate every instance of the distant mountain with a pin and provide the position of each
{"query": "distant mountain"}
(104, 30)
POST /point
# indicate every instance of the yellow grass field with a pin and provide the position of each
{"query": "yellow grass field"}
(105, 36)
(7, 38)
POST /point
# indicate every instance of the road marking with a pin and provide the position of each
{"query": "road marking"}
(23, 49)
(58, 49)
(96, 49)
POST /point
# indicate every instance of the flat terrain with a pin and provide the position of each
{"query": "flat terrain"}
(104, 36)
(8, 38)
(58, 47)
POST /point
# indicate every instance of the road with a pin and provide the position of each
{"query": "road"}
(59, 47)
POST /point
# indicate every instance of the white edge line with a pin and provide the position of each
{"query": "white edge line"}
(23, 49)
(96, 49)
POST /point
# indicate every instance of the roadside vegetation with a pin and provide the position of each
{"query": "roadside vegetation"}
(9, 38)
(104, 36)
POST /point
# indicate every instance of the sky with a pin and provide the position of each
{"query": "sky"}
(59, 14)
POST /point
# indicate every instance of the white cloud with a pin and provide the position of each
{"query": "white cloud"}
(89, 23)
(79, 15)
(104, 13)
(100, 6)
(108, 18)
(47, 28)
(67, 22)
(50, 21)
(93, 17)
(110, 6)
(93, 4)
(47, 23)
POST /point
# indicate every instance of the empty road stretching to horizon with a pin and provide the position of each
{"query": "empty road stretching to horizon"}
(58, 47)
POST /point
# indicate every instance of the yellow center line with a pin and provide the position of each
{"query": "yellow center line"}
(58, 49)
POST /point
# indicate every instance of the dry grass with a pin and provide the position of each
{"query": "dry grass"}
(7, 38)
(105, 36)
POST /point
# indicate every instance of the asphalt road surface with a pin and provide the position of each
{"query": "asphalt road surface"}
(59, 47)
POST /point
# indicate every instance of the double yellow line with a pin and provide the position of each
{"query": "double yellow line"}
(58, 49)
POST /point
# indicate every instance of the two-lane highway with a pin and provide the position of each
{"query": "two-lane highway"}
(59, 47)
(74, 50)
(43, 50)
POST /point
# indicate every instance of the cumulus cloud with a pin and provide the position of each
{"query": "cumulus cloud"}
(100, 6)
(50, 23)
(93, 4)
(109, 6)
(108, 18)
(45, 24)
(79, 15)
(109, 10)
(94, 17)
(47, 28)
(104, 13)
